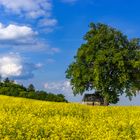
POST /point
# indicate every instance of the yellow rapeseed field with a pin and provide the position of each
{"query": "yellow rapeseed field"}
(24, 119)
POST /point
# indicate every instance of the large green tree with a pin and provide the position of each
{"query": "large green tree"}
(108, 62)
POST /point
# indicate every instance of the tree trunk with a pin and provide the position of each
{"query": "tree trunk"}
(106, 102)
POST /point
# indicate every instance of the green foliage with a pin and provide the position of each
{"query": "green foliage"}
(31, 88)
(8, 87)
(108, 62)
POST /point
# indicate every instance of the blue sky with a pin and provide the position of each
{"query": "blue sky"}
(38, 38)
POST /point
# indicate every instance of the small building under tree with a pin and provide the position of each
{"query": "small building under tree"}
(93, 99)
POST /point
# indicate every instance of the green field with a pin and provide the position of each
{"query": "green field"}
(30, 119)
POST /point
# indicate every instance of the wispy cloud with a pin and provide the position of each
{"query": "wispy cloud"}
(48, 22)
(69, 1)
(62, 87)
(50, 61)
(29, 45)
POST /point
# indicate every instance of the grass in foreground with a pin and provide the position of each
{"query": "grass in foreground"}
(26, 119)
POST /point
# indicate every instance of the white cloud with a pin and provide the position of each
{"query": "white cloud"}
(13, 32)
(13, 65)
(10, 66)
(31, 8)
(61, 86)
(22, 38)
(34, 45)
(48, 22)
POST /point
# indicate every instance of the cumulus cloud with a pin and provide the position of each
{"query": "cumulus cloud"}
(10, 66)
(31, 9)
(13, 65)
(13, 32)
(23, 38)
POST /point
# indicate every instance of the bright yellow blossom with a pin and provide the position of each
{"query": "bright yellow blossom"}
(25, 119)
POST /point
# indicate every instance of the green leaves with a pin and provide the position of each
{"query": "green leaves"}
(108, 61)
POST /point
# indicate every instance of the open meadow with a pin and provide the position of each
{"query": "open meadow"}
(31, 119)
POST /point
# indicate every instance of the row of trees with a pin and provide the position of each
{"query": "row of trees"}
(10, 88)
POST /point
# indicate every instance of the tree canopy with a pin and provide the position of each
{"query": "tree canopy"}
(108, 62)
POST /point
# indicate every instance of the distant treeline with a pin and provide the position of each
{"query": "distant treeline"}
(10, 88)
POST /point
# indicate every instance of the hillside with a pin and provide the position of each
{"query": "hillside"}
(25, 119)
